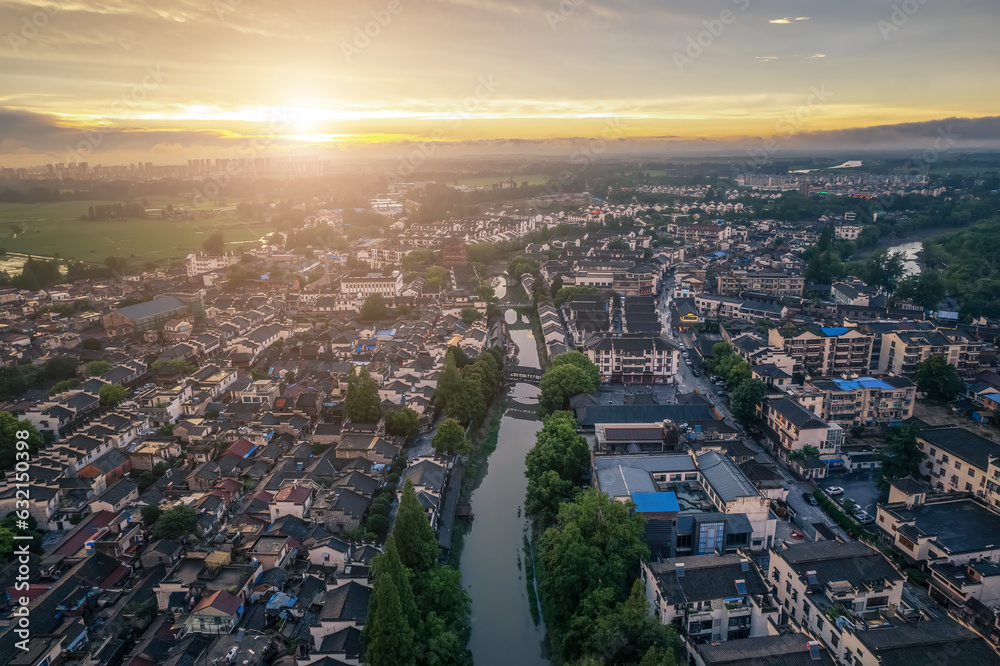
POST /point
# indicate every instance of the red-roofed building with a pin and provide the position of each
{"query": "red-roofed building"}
(291, 501)
(216, 613)
(242, 448)
(75, 542)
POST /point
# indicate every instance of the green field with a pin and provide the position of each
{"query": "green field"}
(532, 179)
(55, 230)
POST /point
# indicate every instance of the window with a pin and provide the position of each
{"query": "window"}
(972, 471)
(945, 458)
(326, 557)
(819, 623)
(958, 465)
(877, 602)
(933, 453)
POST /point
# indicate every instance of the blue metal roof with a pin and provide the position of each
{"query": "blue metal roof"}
(835, 330)
(862, 382)
(655, 502)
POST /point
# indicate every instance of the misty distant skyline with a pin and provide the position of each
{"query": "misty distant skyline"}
(113, 81)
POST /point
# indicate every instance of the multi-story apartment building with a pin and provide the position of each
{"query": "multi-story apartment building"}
(633, 358)
(857, 402)
(903, 350)
(791, 427)
(877, 329)
(958, 460)
(709, 598)
(639, 280)
(201, 263)
(772, 284)
(830, 587)
(847, 231)
(825, 351)
(366, 283)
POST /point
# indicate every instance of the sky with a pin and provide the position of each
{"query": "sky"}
(112, 81)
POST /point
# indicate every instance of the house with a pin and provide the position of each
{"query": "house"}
(330, 552)
(273, 551)
(790, 427)
(959, 460)
(711, 598)
(345, 606)
(864, 401)
(293, 500)
(952, 528)
(215, 613)
(163, 551)
(633, 358)
(828, 585)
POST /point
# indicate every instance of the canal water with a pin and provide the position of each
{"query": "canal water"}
(493, 570)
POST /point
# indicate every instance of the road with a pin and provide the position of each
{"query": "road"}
(802, 515)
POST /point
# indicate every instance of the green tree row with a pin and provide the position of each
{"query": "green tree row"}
(569, 374)
(465, 394)
(745, 392)
(418, 614)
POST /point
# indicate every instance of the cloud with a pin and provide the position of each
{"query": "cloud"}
(789, 19)
(765, 58)
(817, 55)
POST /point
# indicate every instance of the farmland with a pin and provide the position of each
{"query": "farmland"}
(55, 230)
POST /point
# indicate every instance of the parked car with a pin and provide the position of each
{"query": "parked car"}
(864, 517)
(809, 499)
(833, 491)
(696, 373)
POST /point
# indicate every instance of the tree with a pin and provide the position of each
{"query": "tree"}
(415, 538)
(926, 289)
(591, 555)
(449, 381)
(470, 315)
(745, 398)
(885, 268)
(112, 394)
(10, 427)
(150, 514)
(403, 422)
(388, 636)
(95, 368)
(450, 438)
(901, 456)
(571, 373)
(377, 524)
(485, 292)
(59, 367)
(362, 404)
(582, 361)
(938, 378)
(176, 522)
(373, 309)
(555, 467)
(468, 405)
(214, 245)
(520, 265)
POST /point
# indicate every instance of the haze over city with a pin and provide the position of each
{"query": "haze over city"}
(176, 79)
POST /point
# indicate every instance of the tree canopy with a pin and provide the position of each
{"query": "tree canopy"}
(112, 394)
(373, 309)
(176, 522)
(555, 467)
(938, 378)
(404, 422)
(362, 403)
(9, 428)
(450, 438)
(571, 373)
(415, 538)
(901, 456)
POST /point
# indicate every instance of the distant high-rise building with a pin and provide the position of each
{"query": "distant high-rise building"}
(454, 252)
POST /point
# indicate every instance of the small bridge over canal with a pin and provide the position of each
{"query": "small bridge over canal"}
(522, 373)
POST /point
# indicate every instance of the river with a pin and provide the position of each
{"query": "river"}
(503, 632)
(912, 265)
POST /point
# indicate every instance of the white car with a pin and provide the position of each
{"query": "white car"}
(864, 517)
(834, 490)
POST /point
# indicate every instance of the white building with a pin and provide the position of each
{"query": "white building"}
(201, 263)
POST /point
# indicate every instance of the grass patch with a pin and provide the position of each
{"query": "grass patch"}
(529, 577)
